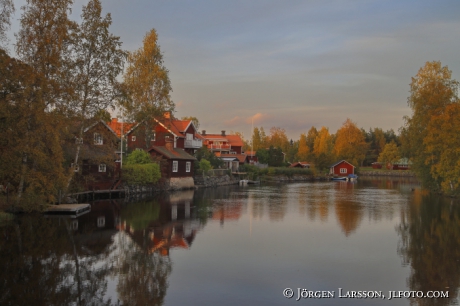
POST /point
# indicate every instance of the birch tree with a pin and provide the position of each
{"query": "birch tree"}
(97, 59)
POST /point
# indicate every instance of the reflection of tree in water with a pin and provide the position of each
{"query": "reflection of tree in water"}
(430, 244)
(43, 265)
(349, 215)
(143, 276)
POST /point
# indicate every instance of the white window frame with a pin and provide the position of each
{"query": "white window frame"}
(102, 168)
(154, 135)
(98, 139)
(75, 167)
(188, 166)
(175, 166)
(189, 136)
(343, 170)
(133, 138)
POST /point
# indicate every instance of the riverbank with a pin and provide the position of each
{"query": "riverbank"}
(379, 172)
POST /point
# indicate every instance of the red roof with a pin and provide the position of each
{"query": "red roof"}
(233, 140)
(116, 126)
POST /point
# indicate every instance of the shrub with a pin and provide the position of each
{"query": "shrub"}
(141, 174)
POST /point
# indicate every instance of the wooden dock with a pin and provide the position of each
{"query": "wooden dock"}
(68, 210)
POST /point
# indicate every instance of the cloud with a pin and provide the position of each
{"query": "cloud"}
(257, 118)
(233, 122)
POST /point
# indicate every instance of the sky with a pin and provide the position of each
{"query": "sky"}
(290, 64)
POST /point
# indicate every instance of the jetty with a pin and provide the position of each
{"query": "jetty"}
(68, 210)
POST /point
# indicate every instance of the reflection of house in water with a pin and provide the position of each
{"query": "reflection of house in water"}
(97, 228)
(227, 211)
(175, 225)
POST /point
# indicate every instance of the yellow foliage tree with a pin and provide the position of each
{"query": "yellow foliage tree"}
(390, 154)
(303, 153)
(350, 143)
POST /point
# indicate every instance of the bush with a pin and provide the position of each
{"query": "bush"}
(141, 174)
(138, 157)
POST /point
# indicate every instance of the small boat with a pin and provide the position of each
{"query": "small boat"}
(341, 178)
(352, 177)
(68, 210)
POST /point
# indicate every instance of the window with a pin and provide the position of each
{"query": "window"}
(75, 167)
(187, 166)
(102, 167)
(154, 134)
(78, 140)
(189, 136)
(175, 166)
(133, 138)
(97, 139)
(343, 170)
(101, 221)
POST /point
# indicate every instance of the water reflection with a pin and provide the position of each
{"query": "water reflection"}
(430, 244)
(140, 253)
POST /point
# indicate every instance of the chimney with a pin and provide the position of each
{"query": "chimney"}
(223, 133)
(167, 115)
(203, 132)
(114, 120)
(169, 144)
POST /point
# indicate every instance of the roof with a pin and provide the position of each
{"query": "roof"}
(175, 127)
(341, 162)
(175, 153)
(117, 126)
(302, 164)
(103, 123)
(250, 153)
(241, 157)
(234, 140)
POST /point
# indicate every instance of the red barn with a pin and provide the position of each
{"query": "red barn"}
(342, 168)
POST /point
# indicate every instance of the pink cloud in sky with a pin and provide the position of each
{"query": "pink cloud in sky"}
(233, 122)
(257, 118)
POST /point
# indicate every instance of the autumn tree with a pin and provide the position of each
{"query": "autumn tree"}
(96, 61)
(443, 148)
(146, 82)
(350, 143)
(6, 10)
(303, 152)
(42, 44)
(259, 139)
(278, 138)
(323, 149)
(389, 155)
(311, 136)
(432, 90)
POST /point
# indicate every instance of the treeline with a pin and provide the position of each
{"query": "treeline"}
(320, 147)
(64, 79)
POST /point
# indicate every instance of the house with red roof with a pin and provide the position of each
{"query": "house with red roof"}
(227, 147)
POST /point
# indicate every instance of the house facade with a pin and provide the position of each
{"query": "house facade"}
(177, 166)
(342, 168)
(99, 163)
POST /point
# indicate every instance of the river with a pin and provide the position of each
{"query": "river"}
(378, 241)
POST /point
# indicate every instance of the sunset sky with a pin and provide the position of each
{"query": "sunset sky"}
(291, 64)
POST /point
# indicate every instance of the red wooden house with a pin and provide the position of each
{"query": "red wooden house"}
(159, 130)
(99, 164)
(342, 168)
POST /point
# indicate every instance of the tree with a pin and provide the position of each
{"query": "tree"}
(303, 153)
(323, 149)
(146, 82)
(205, 153)
(97, 59)
(204, 165)
(259, 139)
(195, 121)
(389, 155)
(350, 143)
(443, 148)
(311, 136)
(431, 91)
(6, 10)
(278, 138)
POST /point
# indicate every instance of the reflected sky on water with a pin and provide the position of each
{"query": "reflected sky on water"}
(239, 246)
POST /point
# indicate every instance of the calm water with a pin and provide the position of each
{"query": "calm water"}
(241, 246)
